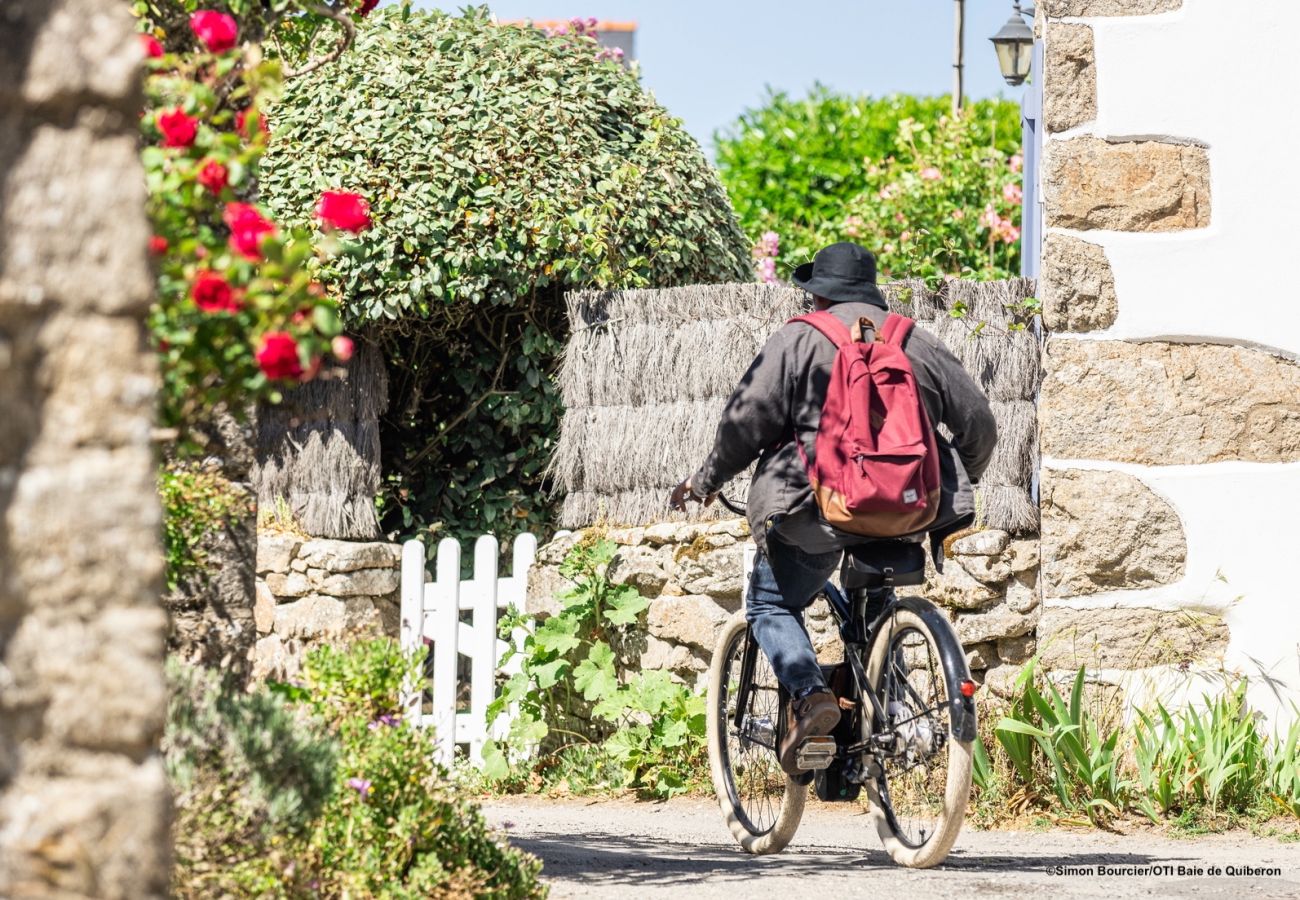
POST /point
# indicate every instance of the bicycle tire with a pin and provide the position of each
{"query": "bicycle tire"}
(956, 795)
(754, 837)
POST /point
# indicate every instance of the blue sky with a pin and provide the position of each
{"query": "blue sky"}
(708, 60)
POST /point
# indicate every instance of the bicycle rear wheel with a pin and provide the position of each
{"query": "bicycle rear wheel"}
(919, 797)
(761, 805)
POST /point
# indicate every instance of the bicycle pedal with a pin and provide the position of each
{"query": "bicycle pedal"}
(816, 753)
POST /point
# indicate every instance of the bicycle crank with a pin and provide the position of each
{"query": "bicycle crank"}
(816, 753)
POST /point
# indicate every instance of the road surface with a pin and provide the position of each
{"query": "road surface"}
(621, 848)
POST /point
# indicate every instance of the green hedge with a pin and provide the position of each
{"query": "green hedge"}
(502, 167)
(832, 167)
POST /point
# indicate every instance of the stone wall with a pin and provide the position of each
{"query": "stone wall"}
(314, 591)
(1169, 424)
(694, 577)
(83, 796)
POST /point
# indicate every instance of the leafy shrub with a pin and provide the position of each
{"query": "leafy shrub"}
(249, 770)
(503, 167)
(648, 728)
(321, 790)
(196, 502)
(395, 827)
(930, 194)
(236, 315)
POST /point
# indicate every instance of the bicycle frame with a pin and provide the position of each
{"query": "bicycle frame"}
(961, 711)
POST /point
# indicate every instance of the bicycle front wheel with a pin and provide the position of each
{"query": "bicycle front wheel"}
(761, 805)
(919, 796)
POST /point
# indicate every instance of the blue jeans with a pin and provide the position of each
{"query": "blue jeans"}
(784, 583)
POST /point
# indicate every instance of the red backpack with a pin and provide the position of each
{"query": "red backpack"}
(877, 463)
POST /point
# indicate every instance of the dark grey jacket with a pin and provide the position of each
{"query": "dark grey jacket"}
(782, 394)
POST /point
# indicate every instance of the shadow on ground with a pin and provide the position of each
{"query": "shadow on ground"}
(598, 859)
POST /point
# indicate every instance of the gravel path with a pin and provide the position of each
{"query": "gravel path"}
(681, 849)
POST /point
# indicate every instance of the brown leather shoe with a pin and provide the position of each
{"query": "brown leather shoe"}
(813, 716)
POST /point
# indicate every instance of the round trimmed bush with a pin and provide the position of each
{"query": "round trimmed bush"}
(502, 167)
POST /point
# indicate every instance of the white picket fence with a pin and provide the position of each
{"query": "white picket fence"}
(431, 614)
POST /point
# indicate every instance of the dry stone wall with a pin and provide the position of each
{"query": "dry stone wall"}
(83, 797)
(694, 576)
(314, 591)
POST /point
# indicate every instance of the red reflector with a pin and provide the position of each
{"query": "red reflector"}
(967, 688)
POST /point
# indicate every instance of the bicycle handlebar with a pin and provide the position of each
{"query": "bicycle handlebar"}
(737, 508)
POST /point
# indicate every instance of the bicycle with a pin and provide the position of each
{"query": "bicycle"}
(906, 733)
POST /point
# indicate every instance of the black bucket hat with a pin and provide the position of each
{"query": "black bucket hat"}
(842, 273)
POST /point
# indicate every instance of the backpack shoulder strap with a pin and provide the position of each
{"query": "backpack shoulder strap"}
(896, 329)
(825, 322)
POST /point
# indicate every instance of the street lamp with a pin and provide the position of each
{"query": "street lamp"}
(1015, 47)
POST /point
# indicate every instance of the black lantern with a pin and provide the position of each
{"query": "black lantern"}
(1015, 47)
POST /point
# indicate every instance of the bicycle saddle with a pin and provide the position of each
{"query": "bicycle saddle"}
(868, 565)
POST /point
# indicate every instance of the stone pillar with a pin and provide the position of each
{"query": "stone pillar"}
(1170, 434)
(83, 796)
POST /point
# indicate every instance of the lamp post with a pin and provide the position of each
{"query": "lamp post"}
(1018, 54)
(1015, 47)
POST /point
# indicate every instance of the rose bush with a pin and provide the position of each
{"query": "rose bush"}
(238, 312)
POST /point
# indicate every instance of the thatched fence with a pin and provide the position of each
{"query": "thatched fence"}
(646, 373)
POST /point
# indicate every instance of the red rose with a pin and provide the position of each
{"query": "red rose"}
(178, 129)
(278, 355)
(241, 123)
(248, 228)
(213, 294)
(344, 211)
(152, 47)
(213, 176)
(158, 245)
(367, 6)
(217, 31)
(342, 348)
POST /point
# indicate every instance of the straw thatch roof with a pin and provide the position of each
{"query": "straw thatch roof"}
(646, 373)
(318, 450)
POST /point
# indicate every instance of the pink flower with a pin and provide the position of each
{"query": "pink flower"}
(770, 243)
(248, 228)
(344, 211)
(1009, 233)
(958, 214)
(1012, 193)
(213, 176)
(216, 31)
(1016, 163)
(361, 786)
(905, 236)
(931, 174)
(278, 359)
(767, 270)
(152, 47)
(342, 348)
(213, 294)
(853, 226)
(989, 218)
(178, 129)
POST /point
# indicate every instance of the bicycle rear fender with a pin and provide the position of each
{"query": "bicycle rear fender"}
(961, 710)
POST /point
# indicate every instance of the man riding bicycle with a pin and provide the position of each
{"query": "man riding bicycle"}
(773, 417)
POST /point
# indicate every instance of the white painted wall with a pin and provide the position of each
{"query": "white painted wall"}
(1222, 75)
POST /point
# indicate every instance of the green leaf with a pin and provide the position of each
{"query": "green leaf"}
(558, 634)
(623, 607)
(495, 765)
(595, 676)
